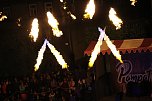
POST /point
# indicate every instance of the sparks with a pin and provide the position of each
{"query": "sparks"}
(40, 56)
(34, 30)
(133, 2)
(116, 21)
(113, 48)
(2, 17)
(57, 55)
(72, 16)
(64, 5)
(54, 24)
(96, 50)
(18, 22)
(90, 10)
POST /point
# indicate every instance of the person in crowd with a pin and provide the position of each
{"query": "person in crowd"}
(52, 96)
(72, 86)
(65, 89)
(44, 87)
(22, 91)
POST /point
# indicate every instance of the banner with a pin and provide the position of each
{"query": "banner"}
(137, 67)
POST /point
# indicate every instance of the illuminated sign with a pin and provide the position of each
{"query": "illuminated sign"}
(125, 74)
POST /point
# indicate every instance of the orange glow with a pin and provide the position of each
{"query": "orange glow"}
(2, 17)
(57, 55)
(115, 20)
(54, 24)
(133, 2)
(113, 48)
(72, 16)
(40, 56)
(96, 49)
(90, 10)
(34, 30)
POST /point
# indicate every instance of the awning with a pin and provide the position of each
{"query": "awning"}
(129, 45)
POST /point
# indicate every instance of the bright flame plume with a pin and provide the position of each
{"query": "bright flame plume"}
(40, 56)
(113, 48)
(2, 17)
(54, 24)
(96, 50)
(133, 2)
(115, 20)
(61, 0)
(34, 30)
(57, 55)
(90, 10)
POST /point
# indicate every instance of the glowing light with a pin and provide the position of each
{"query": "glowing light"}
(34, 30)
(90, 10)
(68, 12)
(96, 50)
(64, 5)
(116, 21)
(18, 22)
(133, 2)
(113, 48)
(54, 24)
(72, 16)
(2, 17)
(57, 55)
(40, 56)
(61, 0)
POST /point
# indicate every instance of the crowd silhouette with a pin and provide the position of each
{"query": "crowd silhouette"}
(57, 86)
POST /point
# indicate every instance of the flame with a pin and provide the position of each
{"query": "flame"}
(133, 2)
(72, 16)
(113, 48)
(54, 24)
(116, 21)
(18, 22)
(40, 56)
(57, 55)
(61, 0)
(34, 30)
(96, 50)
(90, 10)
(2, 17)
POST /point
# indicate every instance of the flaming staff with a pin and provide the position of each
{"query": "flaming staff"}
(57, 55)
(54, 24)
(96, 50)
(90, 10)
(34, 30)
(40, 56)
(115, 20)
(113, 48)
(133, 2)
(2, 17)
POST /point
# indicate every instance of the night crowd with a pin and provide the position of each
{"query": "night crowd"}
(59, 86)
